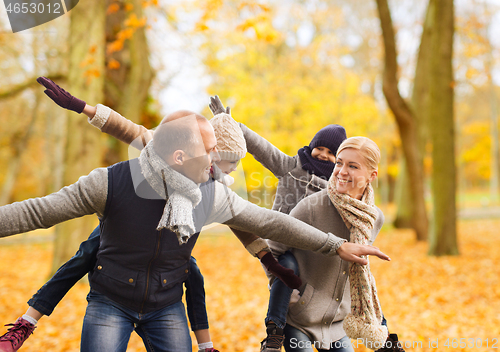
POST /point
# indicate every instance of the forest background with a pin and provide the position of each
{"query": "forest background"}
(286, 68)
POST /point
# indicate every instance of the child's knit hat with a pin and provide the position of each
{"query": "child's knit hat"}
(231, 143)
(330, 136)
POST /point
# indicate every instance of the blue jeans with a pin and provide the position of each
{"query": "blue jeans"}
(50, 294)
(107, 327)
(279, 298)
(297, 341)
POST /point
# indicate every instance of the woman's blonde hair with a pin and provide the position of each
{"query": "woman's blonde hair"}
(367, 148)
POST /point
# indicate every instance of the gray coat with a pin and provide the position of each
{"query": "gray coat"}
(89, 196)
(294, 183)
(325, 297)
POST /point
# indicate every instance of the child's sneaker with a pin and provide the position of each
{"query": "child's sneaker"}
(274, 339)
(13, 339)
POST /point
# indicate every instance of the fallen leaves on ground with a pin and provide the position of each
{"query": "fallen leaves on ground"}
(425, 299)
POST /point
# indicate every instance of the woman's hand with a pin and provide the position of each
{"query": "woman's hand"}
(60, 96)
(353, 252)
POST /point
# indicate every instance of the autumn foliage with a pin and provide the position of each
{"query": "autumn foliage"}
(423, 298)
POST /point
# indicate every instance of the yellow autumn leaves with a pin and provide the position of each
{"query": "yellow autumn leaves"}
(423, 298)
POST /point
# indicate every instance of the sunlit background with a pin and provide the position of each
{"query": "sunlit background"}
(286, 68)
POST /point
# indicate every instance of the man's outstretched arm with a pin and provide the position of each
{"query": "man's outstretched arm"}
(87, 196)
(295, 233)
(231, 210)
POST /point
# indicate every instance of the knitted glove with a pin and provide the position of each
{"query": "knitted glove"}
(216, 106)
(286, 275)
(60, 96)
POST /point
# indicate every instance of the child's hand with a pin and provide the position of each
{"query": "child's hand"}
(216, 106)
(60, 96)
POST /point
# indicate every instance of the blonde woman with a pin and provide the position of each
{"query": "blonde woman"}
(346, 208)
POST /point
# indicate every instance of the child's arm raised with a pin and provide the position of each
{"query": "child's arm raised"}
(263, 151)
(267, 154)
(100, 116)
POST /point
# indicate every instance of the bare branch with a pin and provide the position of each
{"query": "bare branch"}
(18, 89)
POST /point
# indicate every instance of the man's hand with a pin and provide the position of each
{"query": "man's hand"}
(60, 96)
(216, 106)
(352, 252)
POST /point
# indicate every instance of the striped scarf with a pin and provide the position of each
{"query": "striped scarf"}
(364, 321)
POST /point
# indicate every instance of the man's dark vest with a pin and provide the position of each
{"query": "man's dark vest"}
(138, 266)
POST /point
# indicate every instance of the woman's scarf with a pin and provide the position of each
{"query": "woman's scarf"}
(365, 319)
(321, 168)
(181, 193)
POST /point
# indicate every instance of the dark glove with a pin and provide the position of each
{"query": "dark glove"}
(216, 106)
(286, 275)
(60, 96)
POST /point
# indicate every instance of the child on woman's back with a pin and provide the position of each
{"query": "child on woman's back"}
(299, 176)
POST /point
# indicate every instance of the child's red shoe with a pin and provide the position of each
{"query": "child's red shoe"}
(14, 338)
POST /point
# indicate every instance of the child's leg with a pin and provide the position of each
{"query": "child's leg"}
(204, 340)
(50, 294)
(279, 298)
(196, 305)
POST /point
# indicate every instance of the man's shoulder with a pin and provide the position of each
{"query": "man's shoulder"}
(125, 163)
(128, 167)
(126, 174)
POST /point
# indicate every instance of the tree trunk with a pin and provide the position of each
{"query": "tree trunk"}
(420, 94)
(85, 81)
(443, 235)
(127, 87)
(404, 211)
(20, 145)
(407, 124)
(420, 110)
(55, 131)
(495, 145)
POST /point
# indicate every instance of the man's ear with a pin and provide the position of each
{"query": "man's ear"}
(178, 157)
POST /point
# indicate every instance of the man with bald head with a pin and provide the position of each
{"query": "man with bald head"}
(190, 153)
(151, 210)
